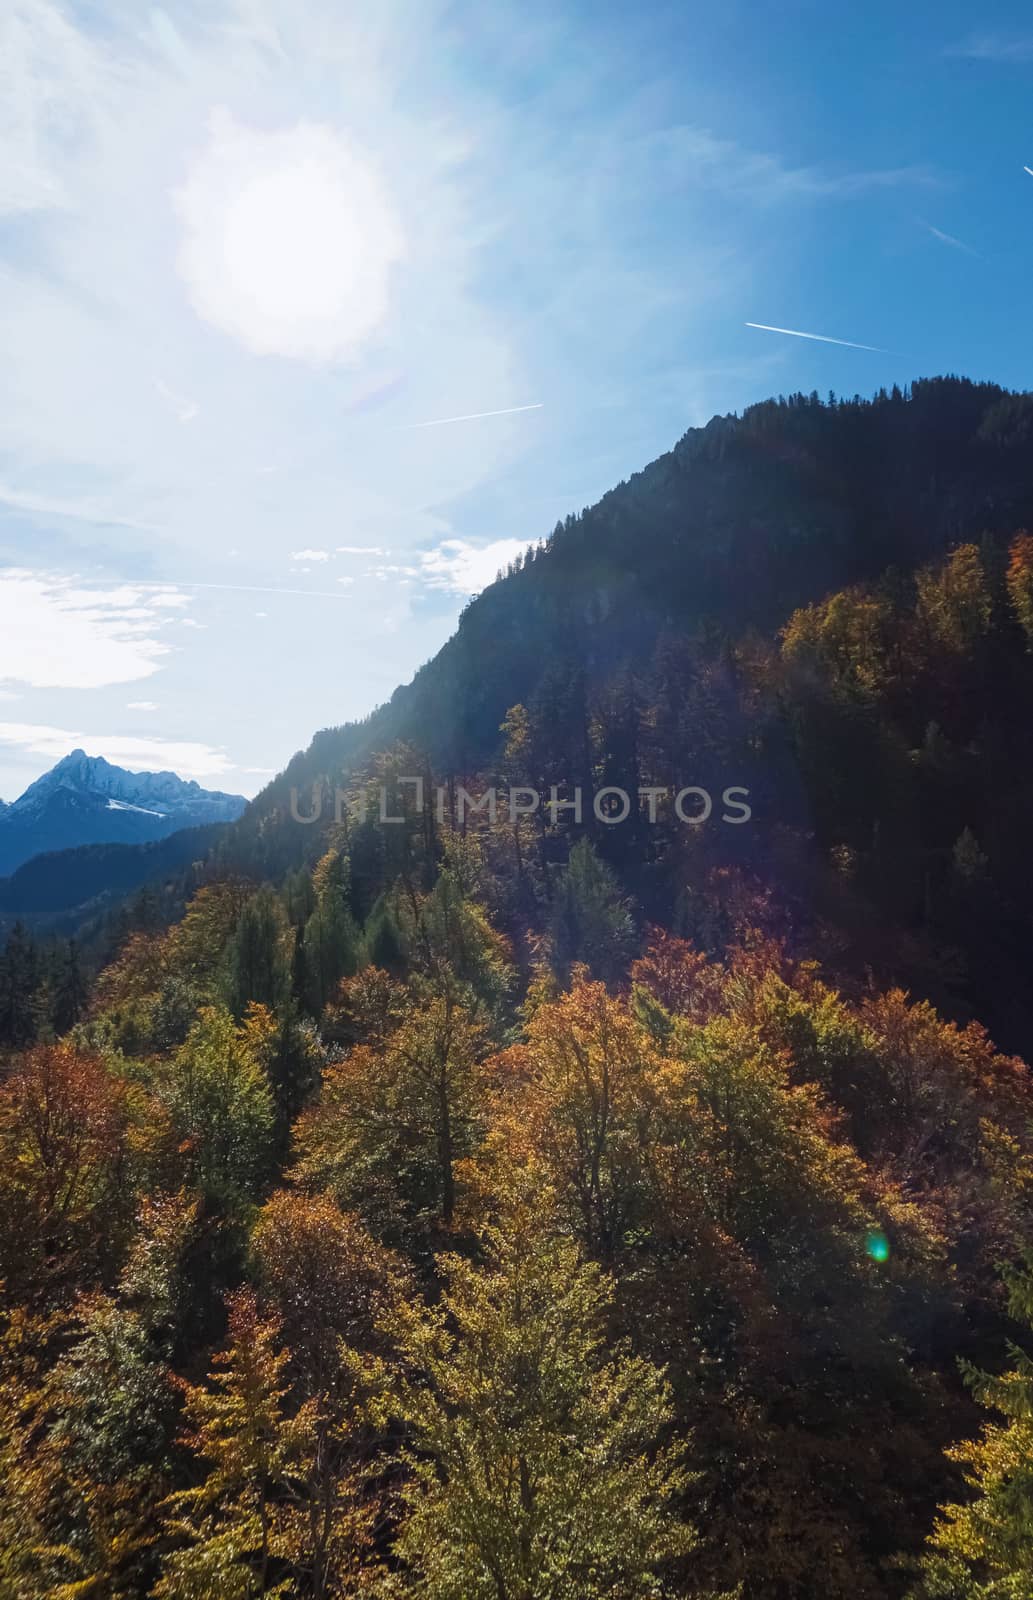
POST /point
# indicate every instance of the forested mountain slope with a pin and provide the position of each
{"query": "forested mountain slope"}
(743, 521)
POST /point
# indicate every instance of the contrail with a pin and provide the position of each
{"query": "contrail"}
(822, 338)
(474, 416)
(239, 588)
(167, 584)
(1029, 170)
(948, 238)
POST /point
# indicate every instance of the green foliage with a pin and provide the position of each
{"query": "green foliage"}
(259, 956)
(276, 1509)
(216, 1090)
(331, 938)
(233, 1541)
(982, 1549)
(538, 1460)
(590, 921)
(395, 1117)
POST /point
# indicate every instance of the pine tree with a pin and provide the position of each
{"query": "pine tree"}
(70, 991)
(19, 980)
(331, 939)
(260, 956)
(589, 920)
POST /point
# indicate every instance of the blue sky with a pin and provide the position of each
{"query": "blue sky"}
(248, 249)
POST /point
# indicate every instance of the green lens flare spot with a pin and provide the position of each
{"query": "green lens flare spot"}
(878, 1246)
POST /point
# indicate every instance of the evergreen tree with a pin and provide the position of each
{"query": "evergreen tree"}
(590, 921)
(70, 992)
(19, 981)
(331, 939)
(259, 957)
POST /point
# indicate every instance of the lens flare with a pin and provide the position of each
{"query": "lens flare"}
(877, 1246)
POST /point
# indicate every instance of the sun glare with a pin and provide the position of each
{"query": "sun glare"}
(289, 239)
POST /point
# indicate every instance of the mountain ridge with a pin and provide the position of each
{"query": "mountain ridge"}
(85, 800)
(743, 520)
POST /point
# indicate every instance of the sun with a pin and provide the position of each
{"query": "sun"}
(289, 239)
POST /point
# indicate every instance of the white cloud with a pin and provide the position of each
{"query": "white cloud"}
(141, 705)
(55, 635)
(464, 568)
(346, 581)
(310, 555)
(361, 550)
(200, 761)
(289, 239)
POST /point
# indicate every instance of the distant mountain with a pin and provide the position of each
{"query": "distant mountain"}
(86, 800)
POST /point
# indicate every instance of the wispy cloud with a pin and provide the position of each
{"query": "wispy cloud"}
(362, 550)
(59, 632)
(310, 555)
(695, 157)
(141, 705)
(1001, 47)
(822, 338)
(396, 572)
(189, 759)
(89, 510)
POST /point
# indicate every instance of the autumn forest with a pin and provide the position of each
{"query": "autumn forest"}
(535, 1208)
